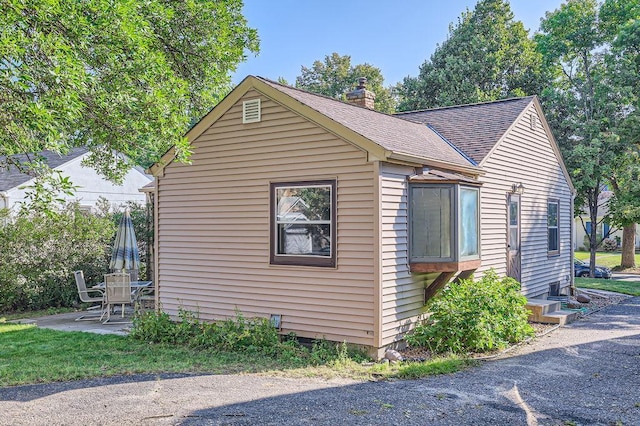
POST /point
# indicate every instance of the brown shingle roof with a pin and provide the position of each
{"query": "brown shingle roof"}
(390, 132)
(475, 128)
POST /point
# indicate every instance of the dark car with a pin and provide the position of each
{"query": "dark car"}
(582, 270)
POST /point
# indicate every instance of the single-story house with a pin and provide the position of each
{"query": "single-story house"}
(90, 185)
(338, 221)
(582, 226)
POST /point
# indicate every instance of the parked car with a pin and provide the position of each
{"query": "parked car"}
(582, 270)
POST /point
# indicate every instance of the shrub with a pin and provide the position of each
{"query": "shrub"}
(474, 316)
(39, 252)
(233, 334)
(153, 327)
(238, 334)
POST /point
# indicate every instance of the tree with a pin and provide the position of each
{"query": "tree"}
(586, 106)
(487, 56)
(126, 76)
(622, 18)
(624, 207)
(336, 76)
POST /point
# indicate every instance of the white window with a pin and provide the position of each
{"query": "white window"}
(553, 236)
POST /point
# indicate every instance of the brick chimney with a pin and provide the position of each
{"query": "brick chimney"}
(361, 96)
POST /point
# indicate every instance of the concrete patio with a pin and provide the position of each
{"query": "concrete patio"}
(67, 322)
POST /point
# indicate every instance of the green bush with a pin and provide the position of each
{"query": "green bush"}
(238, 334)
(39, 252)
(474, 316)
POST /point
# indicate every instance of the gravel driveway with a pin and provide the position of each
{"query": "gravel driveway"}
(587, 373)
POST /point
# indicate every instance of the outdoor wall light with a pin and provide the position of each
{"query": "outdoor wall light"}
(517, 188)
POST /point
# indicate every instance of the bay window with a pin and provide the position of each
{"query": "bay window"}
(444, 223)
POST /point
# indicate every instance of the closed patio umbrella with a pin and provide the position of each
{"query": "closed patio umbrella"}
(125, 248)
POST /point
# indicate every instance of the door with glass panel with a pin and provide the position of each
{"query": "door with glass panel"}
(513, 237)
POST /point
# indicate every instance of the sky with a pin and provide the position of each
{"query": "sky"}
(396, 36)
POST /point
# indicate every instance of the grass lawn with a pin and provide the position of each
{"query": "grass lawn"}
(34, 355)
(624, 287)
(610, 260)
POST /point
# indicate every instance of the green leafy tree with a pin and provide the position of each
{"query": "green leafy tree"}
(586, 104)
(487, 56)
(624, 207)
(335, 76)
(125, 76)
(622, 23)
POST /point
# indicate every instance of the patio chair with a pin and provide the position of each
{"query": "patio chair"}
(93, 295)
(145, 299)
(117, 292)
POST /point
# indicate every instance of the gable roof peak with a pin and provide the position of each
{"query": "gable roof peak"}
(383, 136)
(474, 128)
(393, 134)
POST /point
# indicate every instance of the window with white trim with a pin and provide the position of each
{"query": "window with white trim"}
(303, 223)
(553, 219)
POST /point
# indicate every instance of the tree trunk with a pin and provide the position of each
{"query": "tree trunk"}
(593, 238)
(628, 246)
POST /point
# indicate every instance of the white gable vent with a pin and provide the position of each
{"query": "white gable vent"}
(251, 111)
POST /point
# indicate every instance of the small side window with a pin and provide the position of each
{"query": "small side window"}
(553, 235)
(469, 222)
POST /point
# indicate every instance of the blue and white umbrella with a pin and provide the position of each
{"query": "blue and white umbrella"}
(125, 249)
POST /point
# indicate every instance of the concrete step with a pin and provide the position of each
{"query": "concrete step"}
(559, 317)
(541, 307)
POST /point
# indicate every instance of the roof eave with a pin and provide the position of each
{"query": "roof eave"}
(416, 160)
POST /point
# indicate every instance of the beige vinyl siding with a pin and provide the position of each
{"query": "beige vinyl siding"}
(402, 292)
(214, 236)
(526, 155)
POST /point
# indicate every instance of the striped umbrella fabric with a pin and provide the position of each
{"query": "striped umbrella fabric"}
(125, 249)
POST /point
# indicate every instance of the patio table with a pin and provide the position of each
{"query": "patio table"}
(136, 290)
(135, 285)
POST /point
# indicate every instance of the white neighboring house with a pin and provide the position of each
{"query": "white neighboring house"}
(90, 185)
(580, 236)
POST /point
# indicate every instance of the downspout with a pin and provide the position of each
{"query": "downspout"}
(156, 274)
